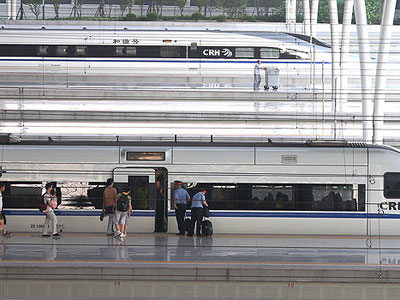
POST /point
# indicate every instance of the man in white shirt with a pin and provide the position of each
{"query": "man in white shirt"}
(51, 202)
(257, 75)
(2, 189)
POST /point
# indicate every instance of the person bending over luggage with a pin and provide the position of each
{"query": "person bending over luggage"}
(197, 210)
(181, 197)
(123, 210)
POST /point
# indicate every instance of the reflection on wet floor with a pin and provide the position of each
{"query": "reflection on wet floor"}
(163, 248)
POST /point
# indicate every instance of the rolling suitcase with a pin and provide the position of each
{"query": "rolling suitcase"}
(271, 78)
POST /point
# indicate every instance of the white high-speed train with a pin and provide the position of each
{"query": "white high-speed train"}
(253, 188)
(156, 57)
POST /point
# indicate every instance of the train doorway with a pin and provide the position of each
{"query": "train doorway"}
(148, 190)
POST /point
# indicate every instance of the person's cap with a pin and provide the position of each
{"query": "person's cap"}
(178, 182)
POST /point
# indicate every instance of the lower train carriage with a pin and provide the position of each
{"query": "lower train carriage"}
(252, 188)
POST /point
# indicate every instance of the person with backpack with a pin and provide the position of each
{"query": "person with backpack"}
(123, 210)
(50, 203)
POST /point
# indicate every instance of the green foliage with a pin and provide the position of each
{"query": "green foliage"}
(196, 16)
(130, 17)
(249, 19)
(234, 8)
(374, 11)
(35, 6)
(323, 12)
(181, 4)
(152, 16)
(123, 5)
(220, 18)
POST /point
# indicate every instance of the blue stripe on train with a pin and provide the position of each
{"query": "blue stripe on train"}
(221, 214)
(158, 61)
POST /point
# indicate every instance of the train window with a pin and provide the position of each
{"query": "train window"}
(170, 51)
(80, 50)
(391, 187)
(269, 53)
(145, 156)
(293, 197)
(43, 50)
(22, 195)
(62, 50)
(125, 51)
(244, 52)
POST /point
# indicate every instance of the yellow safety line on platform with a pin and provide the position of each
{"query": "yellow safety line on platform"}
(191, 262)
(227, 236)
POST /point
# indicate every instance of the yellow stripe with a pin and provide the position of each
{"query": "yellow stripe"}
(192, 262)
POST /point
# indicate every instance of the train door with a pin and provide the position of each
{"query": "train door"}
(148, 190)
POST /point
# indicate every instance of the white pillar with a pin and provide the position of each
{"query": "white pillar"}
(306, 7)
(381, 67)
(365, 69)
(344, 53)
(314, 17)
(293, 7)
(335, 51)
(11, 9)
(290, 14)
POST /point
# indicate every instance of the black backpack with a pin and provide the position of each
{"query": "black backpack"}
(123, 203)
(42, 205)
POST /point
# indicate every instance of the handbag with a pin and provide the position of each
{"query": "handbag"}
(206, 212)
(103, 214)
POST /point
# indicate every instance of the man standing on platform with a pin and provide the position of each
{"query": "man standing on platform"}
(257, 75)
(181, 197)
(109, 202)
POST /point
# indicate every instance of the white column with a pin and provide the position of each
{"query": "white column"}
(333, 17)
(314, 17)
(344, 53)
(290, 14)
(11, 9)
(365, 68)
(293, 7)
(287, 5)
(306, 7)
(381, 67)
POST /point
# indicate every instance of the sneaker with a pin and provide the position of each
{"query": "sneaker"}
(45, 235)
(117, 234)
(56, 234)
(122, 236)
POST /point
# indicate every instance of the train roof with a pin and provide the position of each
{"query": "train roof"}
(176, 141)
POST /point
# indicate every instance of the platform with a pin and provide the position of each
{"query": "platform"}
(96, 266)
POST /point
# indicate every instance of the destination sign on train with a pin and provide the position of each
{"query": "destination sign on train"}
(126, 41)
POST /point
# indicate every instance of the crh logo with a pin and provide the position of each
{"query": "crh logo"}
(226, 52)
(389, 205)
(217, 52)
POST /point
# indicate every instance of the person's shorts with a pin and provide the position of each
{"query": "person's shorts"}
(120, 217)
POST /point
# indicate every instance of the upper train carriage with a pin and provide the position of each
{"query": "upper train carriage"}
(154, 56)
(261, 188)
